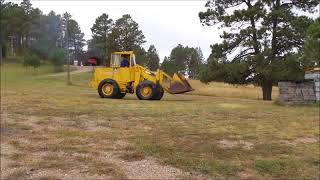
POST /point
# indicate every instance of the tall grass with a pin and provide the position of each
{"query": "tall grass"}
(218, 89)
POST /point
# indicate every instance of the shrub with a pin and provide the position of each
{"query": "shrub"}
(57, 58)
(31, 60)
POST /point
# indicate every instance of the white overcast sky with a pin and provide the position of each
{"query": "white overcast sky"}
(164, 23)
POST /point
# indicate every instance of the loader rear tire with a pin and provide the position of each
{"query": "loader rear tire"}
(108, 88)
(146, 90)
(159, 93)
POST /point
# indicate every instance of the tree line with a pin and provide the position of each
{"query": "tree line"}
(27, 30)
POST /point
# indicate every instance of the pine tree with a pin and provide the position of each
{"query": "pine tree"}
(152, 58)
(168, 66)
(126, 34)
(262, 36)
(101, 30)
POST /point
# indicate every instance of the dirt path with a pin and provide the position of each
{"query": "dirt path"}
(147, 168)
(80, 69)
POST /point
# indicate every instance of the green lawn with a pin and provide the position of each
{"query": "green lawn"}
(216, 136)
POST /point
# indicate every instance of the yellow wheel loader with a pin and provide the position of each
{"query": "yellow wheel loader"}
(125, 76)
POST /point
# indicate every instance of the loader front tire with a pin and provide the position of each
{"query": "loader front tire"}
(108, 88)
(159, 93)
(146, 90)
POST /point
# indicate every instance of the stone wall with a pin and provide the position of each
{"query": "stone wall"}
(315, 76)
(297, 92)
(303, 92)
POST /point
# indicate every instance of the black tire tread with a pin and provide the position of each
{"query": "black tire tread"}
(143, 84)
(159, 93)
(115, 88)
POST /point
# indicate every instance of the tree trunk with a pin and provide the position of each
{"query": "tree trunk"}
(75, 50)
(1, 48)
(267, 91)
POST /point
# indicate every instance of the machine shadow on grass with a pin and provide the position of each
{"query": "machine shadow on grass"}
(163, 100)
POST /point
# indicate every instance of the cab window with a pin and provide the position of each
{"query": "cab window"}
(115, 60)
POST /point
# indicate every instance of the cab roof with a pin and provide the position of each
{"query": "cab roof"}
(123, 52)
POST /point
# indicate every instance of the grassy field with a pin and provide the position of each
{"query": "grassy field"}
(50, 130)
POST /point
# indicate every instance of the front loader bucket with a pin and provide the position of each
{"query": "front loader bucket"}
(179, 85)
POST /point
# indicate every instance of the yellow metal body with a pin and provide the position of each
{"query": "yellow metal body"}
(133, 75)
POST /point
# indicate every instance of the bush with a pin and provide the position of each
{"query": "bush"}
(31, 60)
(57, 58)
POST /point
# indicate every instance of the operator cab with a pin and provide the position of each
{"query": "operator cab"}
(122, 59)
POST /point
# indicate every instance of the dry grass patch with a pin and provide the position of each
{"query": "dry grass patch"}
(230, 144)
(104, 123)
(42, 122)
(70, 133)
(132, 156)
(228, 90)
(105, 168)
(54, 161)
(19, 126)
(17, 175)
(18, 156)
(308, 140)
(96, 164)
(69, 147)
(47, 177)
(17, 144)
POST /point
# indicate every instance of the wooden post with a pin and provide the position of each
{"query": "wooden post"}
(11, 37)
(68, 58)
